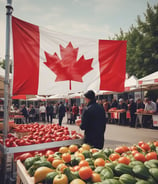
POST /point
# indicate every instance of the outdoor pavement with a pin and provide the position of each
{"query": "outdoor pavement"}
(116, 135)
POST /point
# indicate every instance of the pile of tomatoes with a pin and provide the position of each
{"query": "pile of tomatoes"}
(39, 133)
(83, 162)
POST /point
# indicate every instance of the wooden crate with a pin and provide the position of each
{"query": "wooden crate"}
(22, 175)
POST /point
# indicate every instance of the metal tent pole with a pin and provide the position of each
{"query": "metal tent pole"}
(7, 65)
(6, 82)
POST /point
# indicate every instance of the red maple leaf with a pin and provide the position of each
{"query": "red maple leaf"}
(68, 68)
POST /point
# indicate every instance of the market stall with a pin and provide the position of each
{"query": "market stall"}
(84, 164)
(34, 138)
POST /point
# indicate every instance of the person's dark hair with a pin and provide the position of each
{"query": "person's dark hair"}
(90, 95)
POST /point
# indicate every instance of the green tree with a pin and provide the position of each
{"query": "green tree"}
(142, 44)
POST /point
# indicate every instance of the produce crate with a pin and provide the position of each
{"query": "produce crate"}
(22, 175)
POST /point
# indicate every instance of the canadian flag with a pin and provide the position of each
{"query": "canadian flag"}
(48, 62)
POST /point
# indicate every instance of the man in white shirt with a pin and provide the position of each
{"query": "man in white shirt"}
(150, 107)
(42, 110)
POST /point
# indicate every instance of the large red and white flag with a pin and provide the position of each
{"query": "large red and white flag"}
(48, 62)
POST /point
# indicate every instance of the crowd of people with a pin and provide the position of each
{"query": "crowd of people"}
(46, 113)
(147, 106)
(37, 113)
(92, 115)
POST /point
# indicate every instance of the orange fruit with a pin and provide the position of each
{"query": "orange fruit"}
(73, 148)
(99, 162)
(124, 160)
(63, 149)
(41, 173)
(61, 167)
(95, 177)
(77, 181)
(85, 172)
(80, 155)
(86, 146)
(56, 162)
(66, 157)
(60, 179)
(83, 163)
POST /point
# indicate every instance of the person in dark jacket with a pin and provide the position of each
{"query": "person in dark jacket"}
(24, 112)
(93, 121)
(132, 108)
(31, 112)
(49, 111)
(74, 112)
(62, 111)
(122, 105)
(114, 103)
(140, 104)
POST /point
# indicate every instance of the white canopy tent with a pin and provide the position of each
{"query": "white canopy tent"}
(57, 96)
(131, 84)
(76, 95)
(150, 81)
(37, 98)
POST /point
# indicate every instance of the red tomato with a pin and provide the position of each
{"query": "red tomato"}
(94, 150)
(50, 158)
(49, 152)
(24, 156)
(134, 152)
(151, 155)
(66, 157)
(83, 163)
(119, 149)
(114, 156)
(76, 168)
(140, 143)
(145, 146)
(124, 160)
(7, 143)
(132, 148)
(156, 143)
(140, 157)
(22, 142)
(99, 162)
(48, 140)
(85, 172)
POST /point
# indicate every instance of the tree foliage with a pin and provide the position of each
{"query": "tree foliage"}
(142, 44)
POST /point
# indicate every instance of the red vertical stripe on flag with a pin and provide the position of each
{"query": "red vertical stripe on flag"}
(112, 62)
(26, 57)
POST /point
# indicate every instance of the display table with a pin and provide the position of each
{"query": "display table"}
(115, 115)
(16, 116)
(139, 119)
(18, 119)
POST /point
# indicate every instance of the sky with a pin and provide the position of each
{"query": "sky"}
(99, 19)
